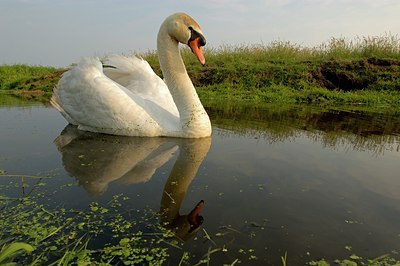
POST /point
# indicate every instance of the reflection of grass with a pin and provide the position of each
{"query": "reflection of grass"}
(357, 128)
(10, 99)
(364, 70)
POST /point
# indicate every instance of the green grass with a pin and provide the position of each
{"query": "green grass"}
(364, 70)
(30, 82)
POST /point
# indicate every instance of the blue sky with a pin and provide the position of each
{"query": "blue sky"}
(59, 32)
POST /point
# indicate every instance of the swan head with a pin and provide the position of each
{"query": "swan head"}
(186, 30)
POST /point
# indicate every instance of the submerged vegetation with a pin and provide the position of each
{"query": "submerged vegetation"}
(360, 71)
(64, 237)
(35, 232)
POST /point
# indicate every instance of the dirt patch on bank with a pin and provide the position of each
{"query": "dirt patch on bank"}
(358, 75)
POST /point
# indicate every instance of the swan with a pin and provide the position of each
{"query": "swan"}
(126, 97)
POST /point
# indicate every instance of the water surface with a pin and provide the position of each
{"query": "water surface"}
(298, 179)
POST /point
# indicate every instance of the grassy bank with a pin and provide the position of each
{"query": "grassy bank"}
(30, 82)
(360, 71)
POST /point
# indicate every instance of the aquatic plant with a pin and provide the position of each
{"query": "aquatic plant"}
(33, 232)
(58, 235)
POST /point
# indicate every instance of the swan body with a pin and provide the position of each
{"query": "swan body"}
(126, 97)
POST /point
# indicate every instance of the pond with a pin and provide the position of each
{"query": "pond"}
(305, 181)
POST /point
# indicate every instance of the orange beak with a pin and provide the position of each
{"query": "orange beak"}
(194, 218)
(196, 49)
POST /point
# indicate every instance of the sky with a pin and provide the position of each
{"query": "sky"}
(58, 32)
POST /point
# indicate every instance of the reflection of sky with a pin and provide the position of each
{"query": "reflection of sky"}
(301, 190)
(24, 138)
(304, 187)
(377, 173)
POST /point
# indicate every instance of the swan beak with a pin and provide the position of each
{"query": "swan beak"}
(195, 46)
(194, 217)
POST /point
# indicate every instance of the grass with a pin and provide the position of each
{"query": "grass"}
(29, 82)
(7, 252)
(361, 71)
(364, 70)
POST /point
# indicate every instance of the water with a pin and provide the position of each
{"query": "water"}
(303, 180)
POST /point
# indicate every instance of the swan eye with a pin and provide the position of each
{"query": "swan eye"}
(194, 34)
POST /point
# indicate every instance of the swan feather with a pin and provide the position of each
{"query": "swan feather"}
(96, 103)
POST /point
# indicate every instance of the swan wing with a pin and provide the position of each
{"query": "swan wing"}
(136, 75)
(88, 98)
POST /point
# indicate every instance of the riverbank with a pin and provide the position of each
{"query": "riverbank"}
(365, 71)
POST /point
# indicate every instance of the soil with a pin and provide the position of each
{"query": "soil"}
(357, 75)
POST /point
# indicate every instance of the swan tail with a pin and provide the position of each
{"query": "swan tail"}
(63, 85)
(55, 103)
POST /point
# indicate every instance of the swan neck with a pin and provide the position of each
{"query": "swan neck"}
(192, 115)
(192, 152)
(172, 66)
(170, 59)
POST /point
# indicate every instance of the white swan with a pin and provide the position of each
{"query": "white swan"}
(128, 98)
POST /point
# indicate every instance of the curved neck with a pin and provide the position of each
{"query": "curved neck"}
(193, 117)
(192, 152)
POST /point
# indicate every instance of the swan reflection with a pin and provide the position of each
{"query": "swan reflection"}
(96, 160)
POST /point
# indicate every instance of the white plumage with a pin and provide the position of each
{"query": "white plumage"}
(126, 97)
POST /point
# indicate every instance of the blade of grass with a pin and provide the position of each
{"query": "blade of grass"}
(11, 249)
(208, 237)
(284, 258)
